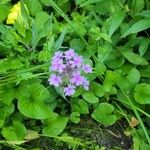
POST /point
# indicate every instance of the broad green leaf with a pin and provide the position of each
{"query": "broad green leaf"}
(133, 57)
(100, 69)
(127, 82)
(55, 127)
(97, 89)
(80, 106)
(34, 109)
(90, 97)
(88, 2)
(136, 6)
(75, 117)
(104, 114)
(111, 78)
(138, 26)
(114, 60)
(104, 51)
(77, 44)
(7, 94)
(144, 46)
(31, 100)
(16, 132)
(115, 21)
(145, 71)
(34, 6)
(142, 93)
(4, 10)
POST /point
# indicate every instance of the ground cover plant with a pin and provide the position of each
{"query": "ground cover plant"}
(75, 74)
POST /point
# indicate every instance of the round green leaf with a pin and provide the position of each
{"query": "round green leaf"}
(34, 109)
(55, 127)
(103, 114)
(142, 93)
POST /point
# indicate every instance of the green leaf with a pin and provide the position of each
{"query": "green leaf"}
(114, 60)
(142, 93)
(55, 127)
(31, 101)
(90, 97)
(138, 26)
(33, 6)
(145, 14)
(145, 71)
(4, 11)
(60, 39)
(15, 132)
(115, 21)
(34, 109)
(133, 58)
(126, 83)
(103, 114)
(137, 6)
(144, 46)
(88, 2)
(97, 89)
(80, 106)
(111, 78)
(75, 117)
(7, 94)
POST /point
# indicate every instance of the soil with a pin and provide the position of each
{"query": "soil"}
(92, 134)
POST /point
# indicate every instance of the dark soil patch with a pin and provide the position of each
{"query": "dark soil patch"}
(112, 138)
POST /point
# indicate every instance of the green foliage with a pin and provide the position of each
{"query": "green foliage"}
(55, 127)
(103, 114)
(142, 93)
(112, 36)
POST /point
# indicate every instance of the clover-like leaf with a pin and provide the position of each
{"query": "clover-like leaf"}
(104, 114)
(142, 93)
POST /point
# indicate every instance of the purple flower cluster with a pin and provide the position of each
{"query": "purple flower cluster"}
(68, 69)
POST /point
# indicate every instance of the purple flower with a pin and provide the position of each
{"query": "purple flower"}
(70, 54)
(55, 80)
(77, 61)
(67, 68)
(85, 84)
(70, 90)
(77, 79)
(87, 69)
(57, 65)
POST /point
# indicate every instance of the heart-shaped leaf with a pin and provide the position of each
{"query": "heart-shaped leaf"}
(55, 127)
(142, 93)
(103, 114)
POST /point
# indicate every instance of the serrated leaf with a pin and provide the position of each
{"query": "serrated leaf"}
(138, 26)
